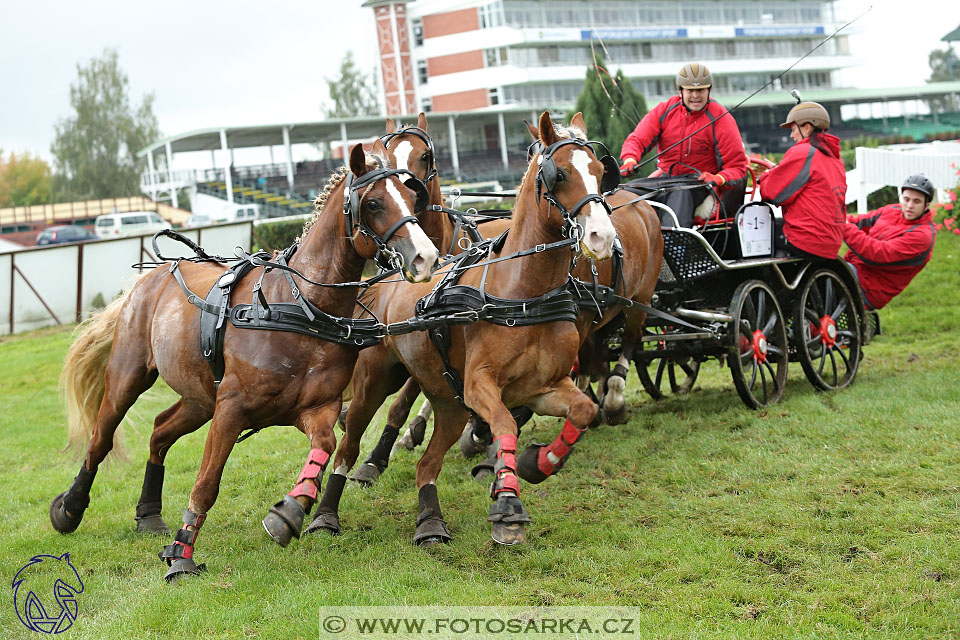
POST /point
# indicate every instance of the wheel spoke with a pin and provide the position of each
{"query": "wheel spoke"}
(746, 356)
(658, 380)
(811, 315)
(833, 361)
(749, 312)
(686, 367)
(763, 385)
(812, 342)
(773, 376)
(846, 361)
(753, 376)
(823, 361)
(847, 334)
(761, 305)
(828, 301)
(773, 350)
(841, 307)
(771, 323)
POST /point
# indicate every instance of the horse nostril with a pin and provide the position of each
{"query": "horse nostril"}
(419, 264)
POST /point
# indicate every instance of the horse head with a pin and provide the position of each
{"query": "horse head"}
(380, 204)
(571, 176)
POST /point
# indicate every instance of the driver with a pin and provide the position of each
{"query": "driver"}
(714, 153)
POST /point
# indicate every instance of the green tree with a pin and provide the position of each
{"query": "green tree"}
(24, 180)
(611, 107)
(944, 67)
(352, 93)
(94, 150)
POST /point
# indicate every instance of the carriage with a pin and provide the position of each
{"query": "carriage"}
(726, 291)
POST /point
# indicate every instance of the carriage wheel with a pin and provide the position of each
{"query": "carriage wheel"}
(680, 372)
(826, 331)
(758, 356)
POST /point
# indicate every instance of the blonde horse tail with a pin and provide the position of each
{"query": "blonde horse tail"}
(82, 382)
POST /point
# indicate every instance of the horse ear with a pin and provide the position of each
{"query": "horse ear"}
(379, 149)
(548, 135)
(358, 160)
(391, 125)
(534, 132)
(577, 122)
(422, 121)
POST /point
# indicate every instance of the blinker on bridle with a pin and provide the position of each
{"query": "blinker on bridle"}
(354, 190)
(547, 180)
(427, 140)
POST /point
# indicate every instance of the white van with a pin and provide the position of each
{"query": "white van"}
(132, 223)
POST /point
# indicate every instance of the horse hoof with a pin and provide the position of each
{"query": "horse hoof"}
(508, 533)
(430, 532)
(527, 467)
(342, 418)
(284, 521)
(615, 417)
(183, 567)
(366, 474)
(470, 446)
(324, 522)
(482, 470)
(59, 518)
(413, 436)
(152, 523)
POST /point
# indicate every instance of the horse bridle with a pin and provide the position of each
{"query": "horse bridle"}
(354, 190)
(547, 180)
(427, 140)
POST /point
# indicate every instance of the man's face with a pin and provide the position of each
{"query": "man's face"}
(913, 203)
(695, 99)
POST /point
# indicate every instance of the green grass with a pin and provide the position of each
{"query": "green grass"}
(828, 515)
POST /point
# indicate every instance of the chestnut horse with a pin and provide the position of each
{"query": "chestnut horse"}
(500, 365)
(637, 227)
(270, 377)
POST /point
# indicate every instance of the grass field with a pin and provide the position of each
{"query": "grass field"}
(828, 515)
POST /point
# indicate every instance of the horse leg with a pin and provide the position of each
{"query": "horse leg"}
(362, 408)
(228, 423)
(507, 514)
(125, 381)
(477, 437)
(285, 519)
(417, 429)
(614, 404)
(431, 527)
(175, 422)
(371, 390)
(538, 461)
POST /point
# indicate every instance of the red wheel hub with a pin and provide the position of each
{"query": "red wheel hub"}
(759, 345)
(828, 331)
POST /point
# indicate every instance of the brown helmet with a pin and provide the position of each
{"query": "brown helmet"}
(694, 75)
(812, 112)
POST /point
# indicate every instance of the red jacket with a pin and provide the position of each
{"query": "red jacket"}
(810, 185)
(888, 250)
(718, 148)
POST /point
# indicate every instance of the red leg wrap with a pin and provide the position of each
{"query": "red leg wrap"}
(312, 470)
(559, 448)
(575, 371)
(506, 467)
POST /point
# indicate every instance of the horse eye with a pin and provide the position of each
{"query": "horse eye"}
(560, 176)
(373, 205)
(425, 157)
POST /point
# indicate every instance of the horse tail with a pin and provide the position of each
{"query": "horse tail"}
(82, 381)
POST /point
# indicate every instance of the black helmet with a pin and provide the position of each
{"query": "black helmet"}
(921, 183)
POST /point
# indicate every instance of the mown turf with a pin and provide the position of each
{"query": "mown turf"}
(828, 515)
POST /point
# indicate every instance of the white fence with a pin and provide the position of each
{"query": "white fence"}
(891, 165)
(50, 285)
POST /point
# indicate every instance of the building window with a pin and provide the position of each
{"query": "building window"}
(417, 28)
(496, 57)
(426, 105)
(422, 74)
(494, 95)
(491, 14)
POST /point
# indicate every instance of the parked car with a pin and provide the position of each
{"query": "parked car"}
(198, 220)
(132, 223)
(64, 233)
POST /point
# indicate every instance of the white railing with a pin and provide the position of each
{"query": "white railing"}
(62, 284)
(889, 166)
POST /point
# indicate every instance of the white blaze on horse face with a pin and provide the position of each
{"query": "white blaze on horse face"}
(425, 252)
(401, 155)
(598, 231)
